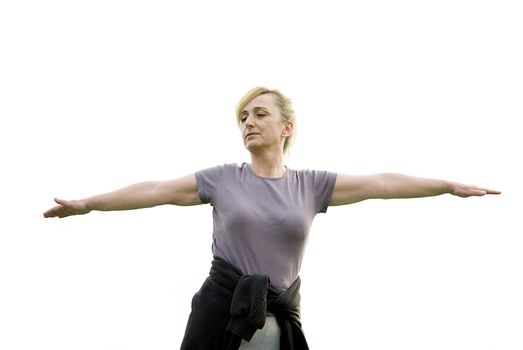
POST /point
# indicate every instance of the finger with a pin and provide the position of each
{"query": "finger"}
(471, 193)
(50, 213)
(60, 201)
(54, 212)
(486, 190)
(479, 193)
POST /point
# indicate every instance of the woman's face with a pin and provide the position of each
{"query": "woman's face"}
(262, 126)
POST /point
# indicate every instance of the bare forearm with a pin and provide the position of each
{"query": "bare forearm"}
(136, 196)
(405, 186)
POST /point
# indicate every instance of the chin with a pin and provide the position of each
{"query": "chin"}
(252, 148)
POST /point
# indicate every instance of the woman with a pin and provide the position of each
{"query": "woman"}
(262, 214)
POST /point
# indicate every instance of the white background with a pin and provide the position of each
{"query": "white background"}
(96, 95)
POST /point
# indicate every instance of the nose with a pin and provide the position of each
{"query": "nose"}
(248, 126)
(249, 122)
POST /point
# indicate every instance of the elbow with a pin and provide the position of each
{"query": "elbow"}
(386, 185)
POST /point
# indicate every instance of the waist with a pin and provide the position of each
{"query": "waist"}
(281, 304)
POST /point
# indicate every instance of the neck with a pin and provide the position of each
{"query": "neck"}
(268, 165)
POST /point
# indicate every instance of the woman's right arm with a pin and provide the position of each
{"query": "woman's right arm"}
(181, 191)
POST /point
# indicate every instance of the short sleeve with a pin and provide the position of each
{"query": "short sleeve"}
(322, 186)
(207, 180)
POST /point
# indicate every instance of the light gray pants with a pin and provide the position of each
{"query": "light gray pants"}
(267, 338)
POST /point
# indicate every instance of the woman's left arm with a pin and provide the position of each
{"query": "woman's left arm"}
(351, 189)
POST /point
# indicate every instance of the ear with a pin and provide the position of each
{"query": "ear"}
(289, 129)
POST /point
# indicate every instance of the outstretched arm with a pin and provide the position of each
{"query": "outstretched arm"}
(351, 189)
(182, 191)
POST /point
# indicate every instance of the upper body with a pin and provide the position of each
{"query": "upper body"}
(264, 198)
(261, 224)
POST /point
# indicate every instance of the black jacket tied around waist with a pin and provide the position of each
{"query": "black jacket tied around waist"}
(231, 306)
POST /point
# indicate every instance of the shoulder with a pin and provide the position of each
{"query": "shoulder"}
(223, 167)
(209, 179)
(312, 174)
(219, 171)
(315, 180)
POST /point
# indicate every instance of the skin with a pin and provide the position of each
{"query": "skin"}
(263, 132)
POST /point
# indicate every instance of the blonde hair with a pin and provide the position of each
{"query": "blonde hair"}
(284, 105)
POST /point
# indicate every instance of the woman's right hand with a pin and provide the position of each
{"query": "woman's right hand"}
(67, 208)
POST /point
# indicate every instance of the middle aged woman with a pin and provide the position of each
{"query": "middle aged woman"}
(262, 213)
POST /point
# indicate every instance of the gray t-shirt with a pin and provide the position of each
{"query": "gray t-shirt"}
(261, 225)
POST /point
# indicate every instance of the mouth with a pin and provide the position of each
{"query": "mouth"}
(251, 134)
